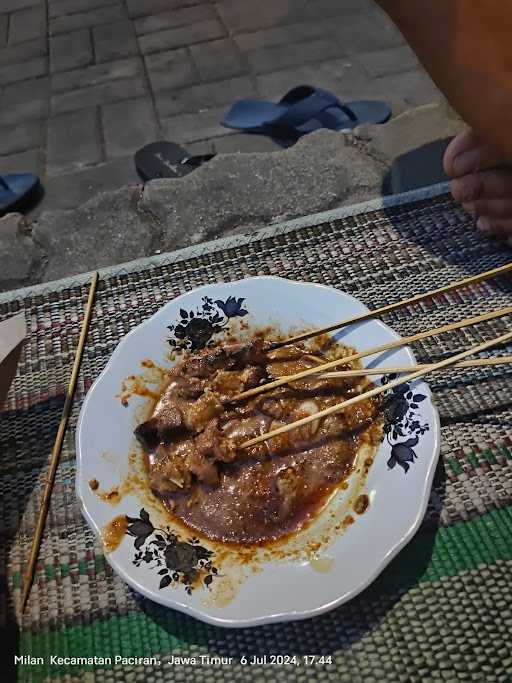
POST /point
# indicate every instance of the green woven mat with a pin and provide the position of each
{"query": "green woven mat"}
(442, 611)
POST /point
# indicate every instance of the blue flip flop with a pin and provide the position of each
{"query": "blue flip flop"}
(16, 189)
(303, 110)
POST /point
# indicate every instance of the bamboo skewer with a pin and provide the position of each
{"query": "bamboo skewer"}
(377, 390)
(361, 372)
(474, 279)
(54, 458)
(370, 352)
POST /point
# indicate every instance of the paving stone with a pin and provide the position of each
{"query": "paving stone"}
(19, 255)
(58, 7)
(171, 69)
(136, 8)
(128, 125)
(22, 162)
(24, 101)
(15, 54)
(139, 9)
(343, 8)
(70, 238)
(181, 37)
(114, 41)
(27, 24)
(243, 16)
(20, 137)
(13, 5)
(70, 50)
(390, 30)
(3, 29)
(282, 35)
(414, 88)
(349, 81)
(96, 74)
(11, 73)
(177, 55)
(202, 147)
(217, 59)
(73, 141)
(391, 60)
(367, 33)
(104, 93)
(73, 189)
(289, 55)
(342, 76)
(198, 126)
(23, 111)
(95, 17)
(197, 97)
(24, 91)
(174, 19)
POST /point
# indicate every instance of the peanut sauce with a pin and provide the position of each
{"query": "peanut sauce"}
(113, 533)
(259, 495)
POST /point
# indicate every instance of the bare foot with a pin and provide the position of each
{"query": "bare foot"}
(484, 190)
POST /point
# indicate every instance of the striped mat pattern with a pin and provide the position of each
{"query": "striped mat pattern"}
(442, 611)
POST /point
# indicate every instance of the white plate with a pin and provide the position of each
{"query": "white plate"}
(271, 587)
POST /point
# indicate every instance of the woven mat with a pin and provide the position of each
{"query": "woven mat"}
(442, 611)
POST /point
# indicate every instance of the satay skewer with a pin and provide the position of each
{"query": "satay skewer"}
(362, 372)
(377, 390)
(54, 458)
(474, 279)
(372, 351)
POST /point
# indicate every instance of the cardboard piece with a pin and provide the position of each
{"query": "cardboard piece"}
(12, 333)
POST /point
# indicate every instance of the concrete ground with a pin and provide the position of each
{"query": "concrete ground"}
(85, 83)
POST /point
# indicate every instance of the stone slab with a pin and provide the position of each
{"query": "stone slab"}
(114, 41)
(88, 19)
(70, 239)
(23, 162)
(127, 126)
(174, 18)
(171, 69)
(102, 93)
(233, 191)
(27, 24)
(217, 59)
(20, 137)
(96, 74)
(204, 96)
(71, 190)
(70, 50)
(19, 255)
(73, 141)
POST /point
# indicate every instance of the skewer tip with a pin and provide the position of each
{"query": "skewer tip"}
(27, 585)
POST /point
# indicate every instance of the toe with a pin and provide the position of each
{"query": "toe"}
(467, 153)
(461, 143)
(469, 207)
(491, 208)
(485, 185)
(467, 189)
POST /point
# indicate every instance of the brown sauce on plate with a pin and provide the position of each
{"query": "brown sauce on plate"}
(113, 533)
(257, 495)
